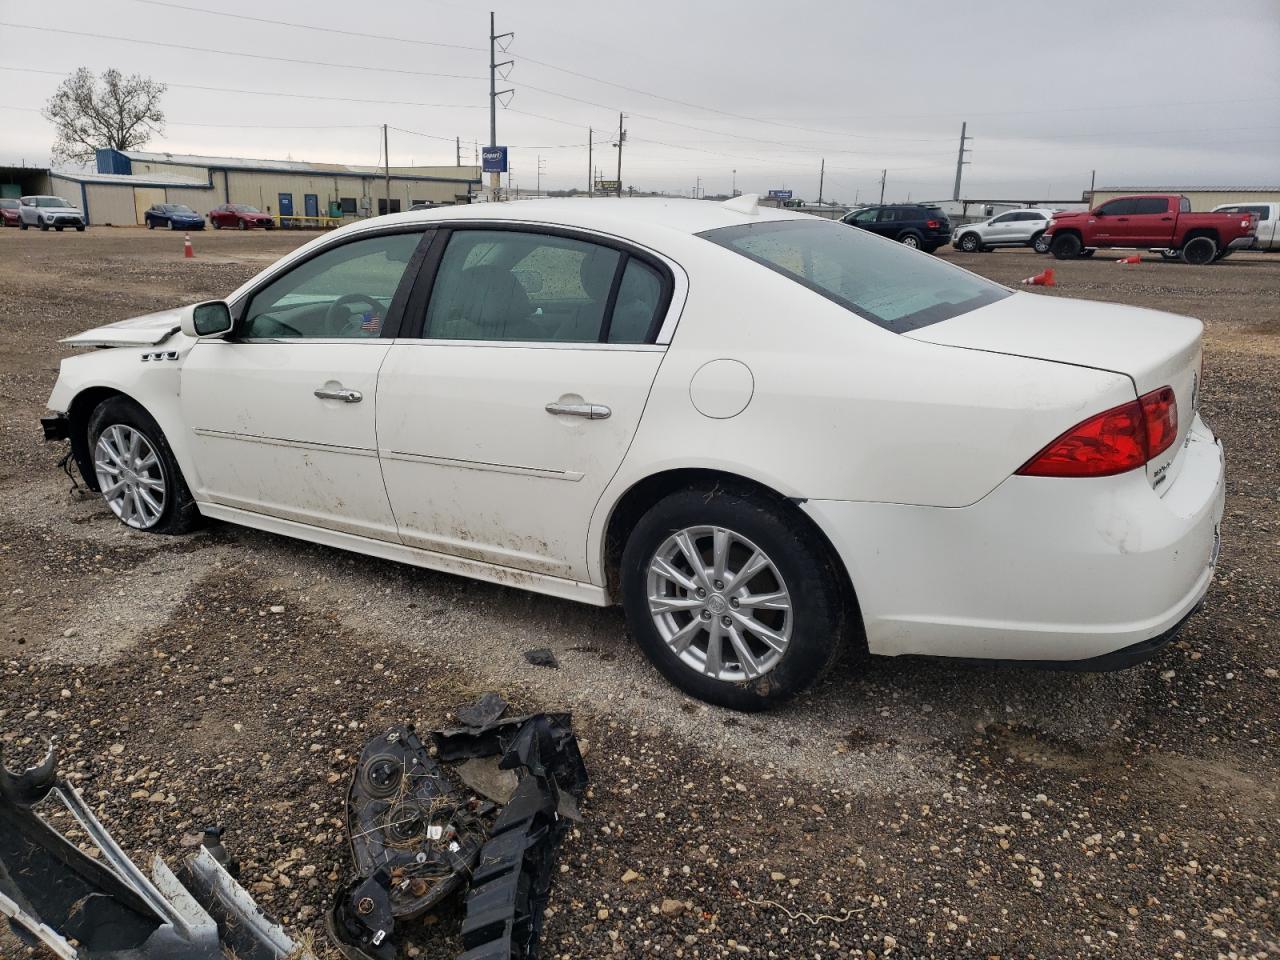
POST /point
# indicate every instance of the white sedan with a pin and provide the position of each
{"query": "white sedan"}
(768, 436)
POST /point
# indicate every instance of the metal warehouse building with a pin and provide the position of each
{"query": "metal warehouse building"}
(1203, 199)
(128, 182)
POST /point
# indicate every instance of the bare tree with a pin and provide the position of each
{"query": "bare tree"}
(121, 113)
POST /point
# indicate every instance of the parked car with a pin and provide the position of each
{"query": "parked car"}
(845, 442)
(911, 224)
(1016, 228)
(46, 212)
(1268, 214)
(9, 216)
(240, 215)
(175, 216)
(1152, 222)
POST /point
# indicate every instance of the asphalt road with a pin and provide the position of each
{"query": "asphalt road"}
(903, 809)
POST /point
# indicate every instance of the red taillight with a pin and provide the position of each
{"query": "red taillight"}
(1115, 441)
(933, 224)
(1160, 410)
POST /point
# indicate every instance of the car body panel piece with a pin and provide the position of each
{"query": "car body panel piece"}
(144, 331)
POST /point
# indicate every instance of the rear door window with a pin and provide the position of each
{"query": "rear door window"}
(1150, 206)
(892, 287)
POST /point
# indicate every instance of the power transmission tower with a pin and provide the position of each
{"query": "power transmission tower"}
(591, 186)
(495, 178)
(822, 175)
(960, 160)
(540, 168)
(622, 138)
(386, 166)
(884, 175)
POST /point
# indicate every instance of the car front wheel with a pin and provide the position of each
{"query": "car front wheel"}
(1040, 243)
(731, 598)
(44, 224)
(135, 469)
(970, 243)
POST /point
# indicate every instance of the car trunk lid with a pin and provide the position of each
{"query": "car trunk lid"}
(1151, 348)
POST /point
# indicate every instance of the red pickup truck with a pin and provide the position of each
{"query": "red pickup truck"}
(1162, 222)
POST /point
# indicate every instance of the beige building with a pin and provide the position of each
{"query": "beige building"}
(128, 182)
(1203, 199)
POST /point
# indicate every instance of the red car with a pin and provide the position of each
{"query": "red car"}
(8, 212)
(239, 215)
(1154, 222)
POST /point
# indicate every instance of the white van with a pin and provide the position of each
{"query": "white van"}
(1268, 215)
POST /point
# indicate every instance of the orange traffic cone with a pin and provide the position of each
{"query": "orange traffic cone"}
(187, 250)
(1133, 258)
(1044, 279)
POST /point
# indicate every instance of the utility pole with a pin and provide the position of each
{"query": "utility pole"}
(884, 175)
(733, 191)
(540, 162)
(458, 150)
(386, 166)
(495, 178)
(960, 160)
(622, 138)
(1093, 176)
(591, 185)
(697, 187)
(822, 175)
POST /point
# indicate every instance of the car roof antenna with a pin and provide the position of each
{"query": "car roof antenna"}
(748, 203)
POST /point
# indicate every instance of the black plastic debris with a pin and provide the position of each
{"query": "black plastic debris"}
(80, 906)
(508, 860)
(542, 657)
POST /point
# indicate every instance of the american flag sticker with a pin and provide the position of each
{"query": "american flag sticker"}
(370, 322)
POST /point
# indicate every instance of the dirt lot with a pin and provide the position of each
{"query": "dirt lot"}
(904, 809)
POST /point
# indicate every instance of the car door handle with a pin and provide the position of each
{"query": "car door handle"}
(592, 411)
(340, 393)
(1166, 218)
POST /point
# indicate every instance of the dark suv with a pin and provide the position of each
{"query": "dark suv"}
(913, 224)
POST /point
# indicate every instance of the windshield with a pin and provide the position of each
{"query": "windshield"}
(177, 208)
(9, 204)
(51, 202)
(244, 208)
(881, 281)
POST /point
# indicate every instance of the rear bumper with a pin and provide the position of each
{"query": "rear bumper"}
(1243, 243)
(1082, 574)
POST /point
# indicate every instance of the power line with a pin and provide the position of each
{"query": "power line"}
(235, 53)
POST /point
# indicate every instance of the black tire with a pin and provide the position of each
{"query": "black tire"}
(1087, 253)
(23, 225)
(809, 573)
(179, 514)
(1199, 251)
(970, 242)
(1066, 246)
(217, 225)
(244, 225)
(80, 229)
(911, 239)
(151, 224)
(44, 226)
(1039, 244)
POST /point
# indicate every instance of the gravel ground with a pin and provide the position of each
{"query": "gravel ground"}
(902, 809)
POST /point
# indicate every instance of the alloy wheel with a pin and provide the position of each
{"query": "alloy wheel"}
(720, 603)
(130, 476)
(911, 241)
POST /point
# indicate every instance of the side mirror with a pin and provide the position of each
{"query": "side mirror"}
(1096, 213)
(208, 320)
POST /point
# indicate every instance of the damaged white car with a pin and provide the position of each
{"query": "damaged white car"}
(766, 435)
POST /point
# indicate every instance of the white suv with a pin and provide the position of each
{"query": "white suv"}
(46, 212)
(1017, 228)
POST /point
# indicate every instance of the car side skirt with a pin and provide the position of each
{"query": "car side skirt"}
(461, 566)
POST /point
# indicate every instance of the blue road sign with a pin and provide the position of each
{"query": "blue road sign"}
(779, 194)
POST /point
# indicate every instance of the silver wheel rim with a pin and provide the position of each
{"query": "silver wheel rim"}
(130, 476)
(719, 603)
(969, 244)
(910, 242)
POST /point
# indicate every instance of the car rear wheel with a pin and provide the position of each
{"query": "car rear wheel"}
(1066, 247)
(44, 224)
(244, 224)
(1040, 243)
(80, 228)
(1199, 251)
(911, 240)
(730, 599)
(970, 243)
(136, 472)
(23, 225)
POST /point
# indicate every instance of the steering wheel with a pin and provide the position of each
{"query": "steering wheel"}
(335, 315)
(290, 331)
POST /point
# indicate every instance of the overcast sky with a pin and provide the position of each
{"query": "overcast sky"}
(1147, 93)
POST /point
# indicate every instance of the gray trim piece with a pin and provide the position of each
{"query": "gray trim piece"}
(572, 476)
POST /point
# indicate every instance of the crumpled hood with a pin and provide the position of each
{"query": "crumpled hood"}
(144, 331)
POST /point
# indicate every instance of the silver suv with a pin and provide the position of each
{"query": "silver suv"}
(46, 212)
(1017, 228)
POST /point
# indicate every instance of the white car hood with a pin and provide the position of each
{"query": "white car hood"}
(144, 331)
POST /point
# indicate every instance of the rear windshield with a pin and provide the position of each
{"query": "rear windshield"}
(881, 281)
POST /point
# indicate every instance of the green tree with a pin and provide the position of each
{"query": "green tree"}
(119, 112)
